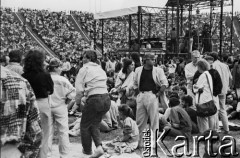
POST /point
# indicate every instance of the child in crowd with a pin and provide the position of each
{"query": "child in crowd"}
(129, 141)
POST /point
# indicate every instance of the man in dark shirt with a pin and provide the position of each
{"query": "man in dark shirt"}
(187, 104)
(147, 79)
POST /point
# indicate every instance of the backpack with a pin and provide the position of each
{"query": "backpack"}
(217, 82)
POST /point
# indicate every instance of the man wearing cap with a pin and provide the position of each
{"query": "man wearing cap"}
(190, 70)
(91, 82)
(147, 78)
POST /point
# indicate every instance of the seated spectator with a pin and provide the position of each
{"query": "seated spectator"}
(187, 104)
(129, 141)
(182, 92)
(231, 105)
(180, 122)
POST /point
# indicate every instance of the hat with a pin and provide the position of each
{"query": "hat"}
(173, 102)
(54, 62)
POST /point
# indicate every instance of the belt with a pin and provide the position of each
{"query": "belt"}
(97, 95)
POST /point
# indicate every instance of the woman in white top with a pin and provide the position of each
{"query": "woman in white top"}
(202, 90)
(63, 90)
(124, 82)
(125, 77)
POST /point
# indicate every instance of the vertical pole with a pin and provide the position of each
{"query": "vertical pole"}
(139, 25)
(189, 26)
(221, 29)
(102, 37)
(231, 48)
(149, 26)
(211, 10)
(178, 27)
(130, 30)
(181, 28)
(166, 38)
(172, 16)
(94, 34)
(141, 19)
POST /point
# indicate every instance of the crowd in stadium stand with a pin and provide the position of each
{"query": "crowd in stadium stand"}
(56, 31)
(13, 34)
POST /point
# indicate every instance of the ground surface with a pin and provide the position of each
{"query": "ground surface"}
(76, 148)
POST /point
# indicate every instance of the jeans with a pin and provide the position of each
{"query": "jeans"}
(223, 111)
(96, 106)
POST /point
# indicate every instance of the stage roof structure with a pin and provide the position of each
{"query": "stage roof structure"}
(203, 4)
(128, 11)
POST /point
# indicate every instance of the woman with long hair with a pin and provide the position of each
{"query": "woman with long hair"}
(124, 83)
(42, 85)
(136, 58)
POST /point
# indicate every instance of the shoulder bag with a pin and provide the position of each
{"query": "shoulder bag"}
(206, 109)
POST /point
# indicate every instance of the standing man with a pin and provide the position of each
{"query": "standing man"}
(91, 82)
(174, 40)
(190, 70)
(21, 133)
(226, 77)
(149, 80)
(14, 62)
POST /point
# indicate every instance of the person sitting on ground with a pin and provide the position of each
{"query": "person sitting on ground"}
(180, 122)
(182, 92)
(176, 89)
(187, 104)
(130, 131)
(231, 105)
(109, 120)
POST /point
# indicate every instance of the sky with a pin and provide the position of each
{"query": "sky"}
(89, 5)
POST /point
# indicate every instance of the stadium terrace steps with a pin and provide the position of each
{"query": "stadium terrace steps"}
(21, 20)
(78, 27)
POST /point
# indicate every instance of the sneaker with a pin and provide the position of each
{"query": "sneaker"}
(98, 152)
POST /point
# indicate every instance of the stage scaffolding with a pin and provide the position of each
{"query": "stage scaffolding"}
(180, 6)
(173, 13)
(136, 18)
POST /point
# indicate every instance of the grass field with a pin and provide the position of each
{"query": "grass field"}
(169, 142)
